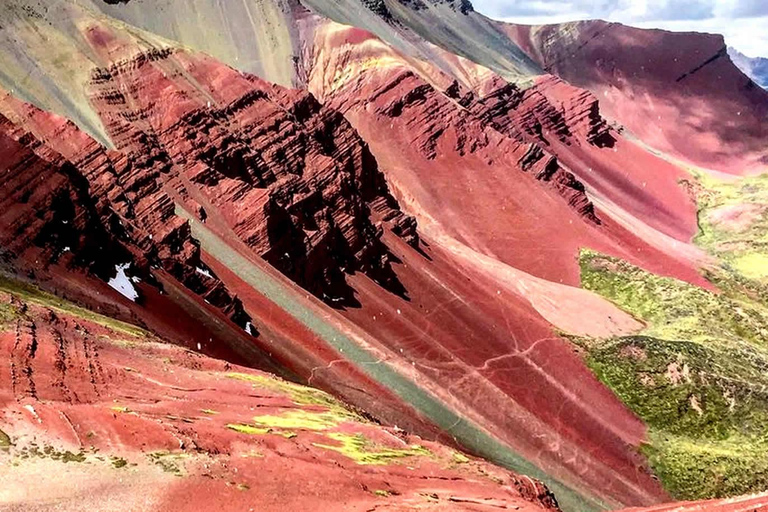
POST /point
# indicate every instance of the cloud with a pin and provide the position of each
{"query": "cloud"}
(742, 22)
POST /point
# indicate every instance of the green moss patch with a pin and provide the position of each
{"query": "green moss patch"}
(300, 395)
(259, 431)
(248, 429)
(30, 293)
(694, 467)
(118, 462)
(169, 462)
(50, 452)
(361, 450)
(5, 441)
(697, 375)
(733, 224)
(675, 309)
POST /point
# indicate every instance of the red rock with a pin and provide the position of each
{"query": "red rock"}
(96, 414)
(701, 108)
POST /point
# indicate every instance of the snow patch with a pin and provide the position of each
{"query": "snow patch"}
(248, 326)
(202, 271)
(122, 283)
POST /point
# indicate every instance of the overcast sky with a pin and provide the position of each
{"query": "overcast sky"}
(744, 23)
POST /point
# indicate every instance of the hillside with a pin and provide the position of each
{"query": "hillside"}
(530, 244)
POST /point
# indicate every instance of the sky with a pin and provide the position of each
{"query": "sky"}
(744, 23)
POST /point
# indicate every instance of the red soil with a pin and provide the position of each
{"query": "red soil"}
(678, 92)
(107, 396)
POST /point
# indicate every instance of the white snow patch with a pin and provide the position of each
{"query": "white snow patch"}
(248, 326)
(202, 271)
(123, 284)
(33, 412)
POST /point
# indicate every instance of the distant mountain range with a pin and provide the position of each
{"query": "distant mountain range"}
(755, 68)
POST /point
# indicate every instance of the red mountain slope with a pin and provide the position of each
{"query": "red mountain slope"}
(704, 110)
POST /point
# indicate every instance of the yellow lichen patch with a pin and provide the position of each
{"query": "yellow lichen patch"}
(460, 458)
(258, 431)
(248, 429)
(301, 420)
(209, 412)
(300, 395)
(170, 462)
(361, 450)
(753, 265)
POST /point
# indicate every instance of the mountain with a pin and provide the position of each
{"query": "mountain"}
(540, 246)
(755, 68)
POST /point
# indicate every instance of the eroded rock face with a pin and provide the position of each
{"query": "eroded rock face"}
(47, 206)
(462, 6)
(97, 209)
(505, 117)
(650, 80)
(288, 176)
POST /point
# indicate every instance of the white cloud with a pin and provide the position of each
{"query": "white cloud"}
(742, 22)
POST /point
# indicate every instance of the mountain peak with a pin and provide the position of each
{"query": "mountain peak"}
(755, 68)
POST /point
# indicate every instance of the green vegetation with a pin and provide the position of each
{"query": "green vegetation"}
(733, 222)
(30, 293)
(259, 431)
(361, 450)
(697, 375)
(118, 462)
(248, 429)
(5, 441)
(460, 458)
(673, 309)
(300, 395)
(52, 453)
(168, 461)
(8, 313)
(702, 467)
(298, 419)
(301, 420)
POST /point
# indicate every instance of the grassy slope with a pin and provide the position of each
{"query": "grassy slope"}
(698, 374)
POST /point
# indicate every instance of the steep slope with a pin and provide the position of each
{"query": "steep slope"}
(704, 110)
(94, 411)
(278, 29)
